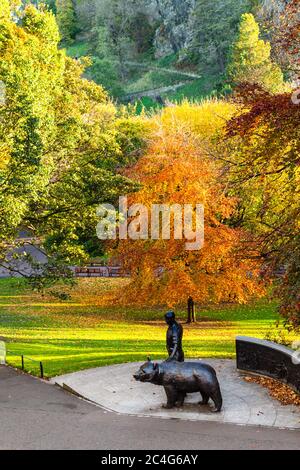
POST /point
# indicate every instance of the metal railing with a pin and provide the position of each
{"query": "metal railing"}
(23, 357)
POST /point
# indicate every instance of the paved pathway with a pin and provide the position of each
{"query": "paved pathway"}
(21, 266)
(152, 68)
(38, 415)
(244, 403)
(155, 92)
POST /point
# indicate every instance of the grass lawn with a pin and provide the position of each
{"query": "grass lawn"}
(78, 49)
(81, 333)
(194, 91)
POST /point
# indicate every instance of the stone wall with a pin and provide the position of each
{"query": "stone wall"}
(269, 359)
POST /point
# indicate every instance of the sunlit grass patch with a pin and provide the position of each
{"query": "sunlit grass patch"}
(82, 332)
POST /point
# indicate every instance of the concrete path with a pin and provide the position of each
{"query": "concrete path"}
(154, 92)
(244, 403)
(152, 68)
(20, 266)
(39, 415)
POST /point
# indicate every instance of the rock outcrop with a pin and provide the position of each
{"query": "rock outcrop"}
(175, 30)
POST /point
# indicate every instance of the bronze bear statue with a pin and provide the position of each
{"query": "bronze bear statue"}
(180, 378)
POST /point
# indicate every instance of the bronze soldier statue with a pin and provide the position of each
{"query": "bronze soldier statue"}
(174, 338)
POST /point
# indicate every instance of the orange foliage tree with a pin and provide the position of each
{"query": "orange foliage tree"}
(176, 169)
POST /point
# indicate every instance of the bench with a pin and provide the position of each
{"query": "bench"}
(100, 271)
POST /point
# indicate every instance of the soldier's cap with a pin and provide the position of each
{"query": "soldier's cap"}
(170, 315)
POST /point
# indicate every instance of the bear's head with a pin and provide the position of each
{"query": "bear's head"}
(147, 372)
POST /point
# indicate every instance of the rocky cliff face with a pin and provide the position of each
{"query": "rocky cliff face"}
(270, 10)
(176, 21)
(273, 7)
(175, 25)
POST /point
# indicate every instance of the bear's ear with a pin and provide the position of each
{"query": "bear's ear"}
(149, 359)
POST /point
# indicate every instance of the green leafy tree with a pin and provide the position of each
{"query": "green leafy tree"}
(114, 19)
(61, 144)
(251, 58)
(214, 26)
(66, 19)
(105, 72)
(105, 67)
(52, 5)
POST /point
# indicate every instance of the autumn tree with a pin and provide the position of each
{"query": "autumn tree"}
(264, 161)
(178, 170)
(265, 168)
(251, 58)
(282, 22)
